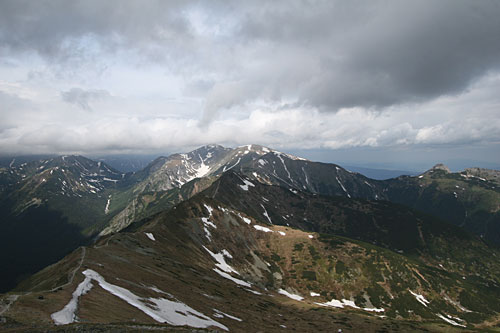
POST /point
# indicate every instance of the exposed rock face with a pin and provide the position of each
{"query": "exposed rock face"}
(441, 166)
(489, 174)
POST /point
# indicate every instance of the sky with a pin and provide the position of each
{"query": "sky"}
(383, 83)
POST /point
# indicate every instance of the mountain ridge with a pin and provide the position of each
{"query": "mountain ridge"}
(97, 199)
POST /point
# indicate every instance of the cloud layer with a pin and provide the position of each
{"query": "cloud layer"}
(83, 98)
(119, 76)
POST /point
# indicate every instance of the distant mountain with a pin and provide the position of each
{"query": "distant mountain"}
(209, 265)
(380, 174)
(126, 163)
(469, 199)
(15, 161)
(48, 208)
(57, 183)
(381, 223)
(161, 185)
(172, 179)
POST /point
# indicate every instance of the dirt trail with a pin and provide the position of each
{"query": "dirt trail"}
(84, 252)
(8, 300)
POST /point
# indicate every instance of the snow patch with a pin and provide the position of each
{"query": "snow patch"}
(253, 292)
(265, 214)
(345, 302)
(150, 236)
(420, 298)
(374, 309)
(203, 170)
(457, 304)
(284, 166)
(235, 280)
(155, 289)
(247, 183)
(343, 188)
(245, 219)
(224, 170)
(313, 294)
(334, 303)
(449, 321)
(305, 174)
(110, 180)
(208, 223)
(210, 209)
(290, 295)
(67, 314)
(208, 234)
(227, 254)
(282, 233)
(221, 262)
(261, 228)
(106, 209)
(162, 310)
(220, 313)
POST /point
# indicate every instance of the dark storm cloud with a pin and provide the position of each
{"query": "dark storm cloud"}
(381, 53)
(82, 98)
(61, 30)
(328, 54)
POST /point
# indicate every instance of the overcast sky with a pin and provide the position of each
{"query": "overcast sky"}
(411, 80)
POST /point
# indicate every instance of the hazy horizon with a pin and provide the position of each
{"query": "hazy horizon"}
(401, 161)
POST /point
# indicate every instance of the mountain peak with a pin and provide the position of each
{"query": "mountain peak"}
(440, 166)
(210, 147)
(260, 150)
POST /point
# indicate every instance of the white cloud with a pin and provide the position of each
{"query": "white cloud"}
(275, 125)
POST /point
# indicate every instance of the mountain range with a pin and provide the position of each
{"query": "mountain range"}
(228, 239)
